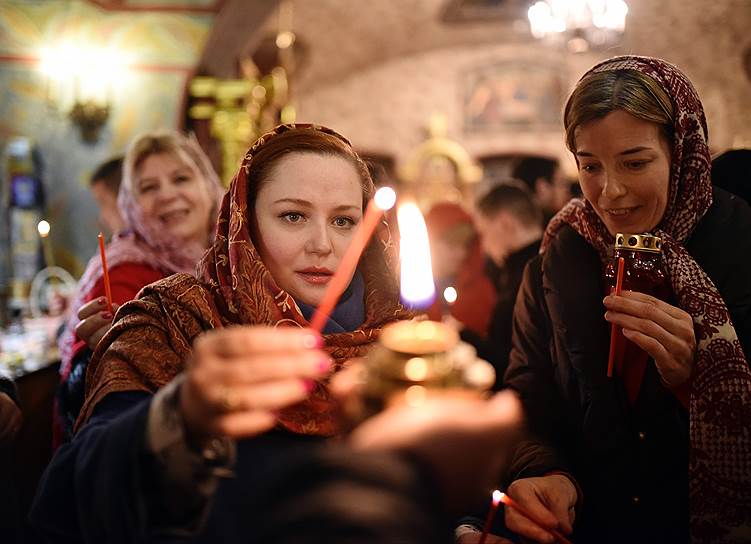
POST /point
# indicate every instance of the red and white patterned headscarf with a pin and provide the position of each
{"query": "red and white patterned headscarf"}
(720, 402)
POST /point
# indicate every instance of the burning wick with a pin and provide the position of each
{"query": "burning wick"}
(508, 501)
(417, 287)
(107, 289)
(614, 329)
(449, 295)
(497, 497)
(384, 199)
(44, 231)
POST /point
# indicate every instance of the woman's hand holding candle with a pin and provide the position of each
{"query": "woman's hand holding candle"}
(665, 332)
(239, 376)
(551, 499)
(96, 320)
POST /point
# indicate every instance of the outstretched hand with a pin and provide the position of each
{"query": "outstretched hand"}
(240, 375)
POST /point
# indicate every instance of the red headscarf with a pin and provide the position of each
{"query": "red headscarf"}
(720, 401)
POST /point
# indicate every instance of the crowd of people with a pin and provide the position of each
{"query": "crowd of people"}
(206, 409)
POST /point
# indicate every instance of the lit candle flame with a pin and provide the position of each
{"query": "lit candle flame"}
(450, 295)
(417, 288)
(44, 228)
(497, 496)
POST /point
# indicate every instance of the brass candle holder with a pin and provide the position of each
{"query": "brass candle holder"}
(415, 360)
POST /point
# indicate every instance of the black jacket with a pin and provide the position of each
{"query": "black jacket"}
(631, 461)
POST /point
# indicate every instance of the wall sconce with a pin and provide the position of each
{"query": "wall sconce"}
(80, 80)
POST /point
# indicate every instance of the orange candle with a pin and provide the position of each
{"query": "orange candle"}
(614, 329)
(491, 516)
(107, 289)
(508, 501)
(383, 200)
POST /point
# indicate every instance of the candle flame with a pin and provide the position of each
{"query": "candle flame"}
(450, 295)
(417, 288)
(385, 198)
(44, 228)
(498, 496)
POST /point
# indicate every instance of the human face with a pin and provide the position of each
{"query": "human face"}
(624, 171)
(494, 234)
(305, 216)
(174, 195)
(109, 213)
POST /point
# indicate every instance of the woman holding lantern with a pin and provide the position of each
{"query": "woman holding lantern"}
(661, 451)
(203, 375)
(169, 198)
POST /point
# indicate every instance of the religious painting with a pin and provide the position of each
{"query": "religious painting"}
(513, 95)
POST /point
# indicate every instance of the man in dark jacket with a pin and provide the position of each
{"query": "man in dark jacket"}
(509, 221)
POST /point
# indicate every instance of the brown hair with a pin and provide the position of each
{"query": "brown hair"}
(304, 141)
(600, 93)
(110, 174)
(513, 197)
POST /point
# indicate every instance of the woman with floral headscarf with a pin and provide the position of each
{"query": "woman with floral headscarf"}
(661, 452)
(232, 346)
(169, 199)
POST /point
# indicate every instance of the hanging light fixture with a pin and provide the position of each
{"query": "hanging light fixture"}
(581, 24)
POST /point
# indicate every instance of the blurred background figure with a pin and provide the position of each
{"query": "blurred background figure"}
(732, 171)
(105, 184)
(169, 199)
(458, 262)
(509, 220)
(546, 181)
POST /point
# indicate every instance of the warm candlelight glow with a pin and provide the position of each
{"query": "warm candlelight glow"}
(44, 228)
(450, 295)
(511, 503)
(416, 369)
(417, 287)
(496, 501)
(385, 198)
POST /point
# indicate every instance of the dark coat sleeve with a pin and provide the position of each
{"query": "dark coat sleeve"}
(530, 370)
(90, 492)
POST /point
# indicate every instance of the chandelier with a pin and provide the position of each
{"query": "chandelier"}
(580, 24)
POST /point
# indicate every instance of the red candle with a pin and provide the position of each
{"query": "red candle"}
(613, 327)
(107, 289)
(491, 516)
(383, 200)
(508, 501)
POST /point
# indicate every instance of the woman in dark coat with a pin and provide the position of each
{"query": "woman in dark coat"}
(661, 452)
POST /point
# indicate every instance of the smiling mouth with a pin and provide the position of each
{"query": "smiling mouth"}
(621, 212)
(171, 217)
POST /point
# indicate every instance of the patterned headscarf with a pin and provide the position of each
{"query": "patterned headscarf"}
(145, 240)
(234, 287)
(720, 401)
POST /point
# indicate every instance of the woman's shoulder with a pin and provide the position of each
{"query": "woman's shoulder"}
(182, 298)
